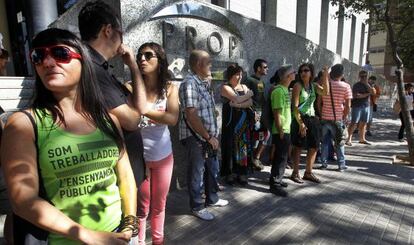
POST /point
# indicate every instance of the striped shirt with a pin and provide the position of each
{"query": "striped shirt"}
(196, 93)
(341, 91)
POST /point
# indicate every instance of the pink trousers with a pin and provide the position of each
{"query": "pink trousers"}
(152, 197)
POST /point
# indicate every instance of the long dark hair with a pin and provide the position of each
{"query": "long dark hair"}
(88, 96)
(164, 76)
(312, 71)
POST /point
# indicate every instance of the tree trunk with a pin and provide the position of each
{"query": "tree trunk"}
(399, 72)
(409, 129)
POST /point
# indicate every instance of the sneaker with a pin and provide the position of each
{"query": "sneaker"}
(311, 177)
(203, 214)
(322, 167)
(258, 165)
(342, 169)
(401, 140)
(278, 191)
(219, 203)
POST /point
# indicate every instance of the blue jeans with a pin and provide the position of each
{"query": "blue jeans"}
(329, 130)
(202, 172)
(360, 114)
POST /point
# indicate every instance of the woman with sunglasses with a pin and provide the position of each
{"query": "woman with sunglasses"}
(306, 128)
(64, 159)
(162, 107)
(237, 126)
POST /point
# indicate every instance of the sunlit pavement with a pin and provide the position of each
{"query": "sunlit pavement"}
(370, 203)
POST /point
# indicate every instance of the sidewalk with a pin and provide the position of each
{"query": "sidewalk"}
(371, 203)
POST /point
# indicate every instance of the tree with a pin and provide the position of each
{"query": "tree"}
(396, 17)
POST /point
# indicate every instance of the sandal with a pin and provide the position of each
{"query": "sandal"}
(311, 177)
(295, 177)
(365, 142)
(348, 143)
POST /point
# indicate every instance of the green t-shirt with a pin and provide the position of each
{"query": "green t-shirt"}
(78, 173)
(281, 101)
(306, 100)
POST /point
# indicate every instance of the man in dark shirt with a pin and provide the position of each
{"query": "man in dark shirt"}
(361, 92)
(100, 28)
(261, 133)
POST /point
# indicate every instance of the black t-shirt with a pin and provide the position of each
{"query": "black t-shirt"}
(115, 95)
(258, 87)
(361, 88)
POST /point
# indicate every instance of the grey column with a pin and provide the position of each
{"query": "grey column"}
(352, 44)
(323, 33)
(340, 33)
(301, 17)
(43, 13)
(271, 12)
(361, 47)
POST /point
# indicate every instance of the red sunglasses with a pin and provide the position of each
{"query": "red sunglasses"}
(59, 53)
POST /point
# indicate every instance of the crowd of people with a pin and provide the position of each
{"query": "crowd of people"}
(91, 160)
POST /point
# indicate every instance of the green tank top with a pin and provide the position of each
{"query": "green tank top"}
(78, 173)
(306, 100)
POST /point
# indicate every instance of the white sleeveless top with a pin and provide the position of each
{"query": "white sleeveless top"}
(155, 136)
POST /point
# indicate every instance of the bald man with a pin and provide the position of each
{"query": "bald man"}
(198, 133)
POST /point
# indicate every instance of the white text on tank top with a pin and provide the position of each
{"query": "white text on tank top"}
(155, 136)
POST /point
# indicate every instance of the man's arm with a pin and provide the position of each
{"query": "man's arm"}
(195, 123)
(347, 108)
(278, 122)
(129, 114)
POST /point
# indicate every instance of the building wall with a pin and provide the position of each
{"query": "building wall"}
(283, 14)
(332, 29)
(286, 15)
(313, 22)
(357, 40)
(250, 8)
(346, 38)
(378, 40)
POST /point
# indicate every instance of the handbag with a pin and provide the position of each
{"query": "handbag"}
(341, 133)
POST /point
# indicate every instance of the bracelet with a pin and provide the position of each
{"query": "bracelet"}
(130, 223)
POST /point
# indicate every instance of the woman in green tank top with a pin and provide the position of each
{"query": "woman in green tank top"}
(70, 176)
(306, 130)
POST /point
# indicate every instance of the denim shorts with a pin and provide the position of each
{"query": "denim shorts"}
(360, 114)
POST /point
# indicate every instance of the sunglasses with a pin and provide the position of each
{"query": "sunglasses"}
(147, 55)
(59, 53)
(304, 70)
